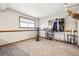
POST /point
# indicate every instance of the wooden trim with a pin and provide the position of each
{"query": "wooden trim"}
(15, 30)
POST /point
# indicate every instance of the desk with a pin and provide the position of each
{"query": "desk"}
(66, 34)
(72, 38)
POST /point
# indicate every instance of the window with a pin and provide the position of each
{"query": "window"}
(26, 22)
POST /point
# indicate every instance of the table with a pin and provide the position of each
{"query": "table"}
(72, 39)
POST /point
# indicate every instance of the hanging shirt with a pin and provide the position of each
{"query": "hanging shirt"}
(58, 26)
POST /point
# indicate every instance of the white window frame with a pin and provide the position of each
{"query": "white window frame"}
(28, 23)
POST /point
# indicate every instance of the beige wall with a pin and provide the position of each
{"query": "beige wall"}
(9, 19)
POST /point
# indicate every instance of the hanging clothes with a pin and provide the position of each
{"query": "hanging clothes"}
(56, 25)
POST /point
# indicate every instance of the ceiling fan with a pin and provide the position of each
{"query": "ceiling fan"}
(70, 12)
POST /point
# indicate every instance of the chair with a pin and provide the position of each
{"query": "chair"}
(49, 34)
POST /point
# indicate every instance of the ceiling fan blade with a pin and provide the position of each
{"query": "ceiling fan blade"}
(75, 16)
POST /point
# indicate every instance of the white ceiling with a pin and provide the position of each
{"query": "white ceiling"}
(37, 10)
(3, 6)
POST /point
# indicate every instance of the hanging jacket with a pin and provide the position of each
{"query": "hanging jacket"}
(55, 26)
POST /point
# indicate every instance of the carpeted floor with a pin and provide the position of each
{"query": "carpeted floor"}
(41, 48)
